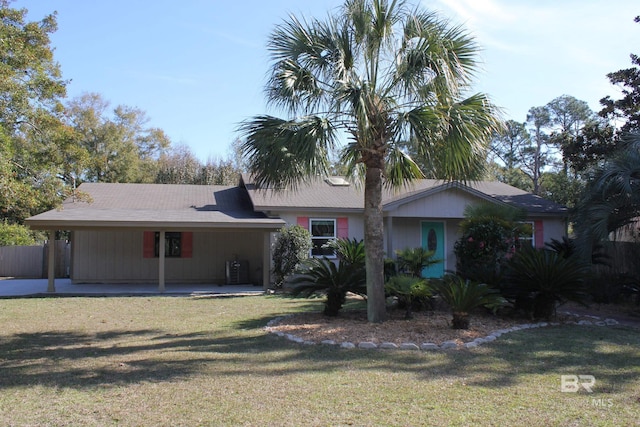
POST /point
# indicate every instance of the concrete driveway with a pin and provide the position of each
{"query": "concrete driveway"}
(64, 287)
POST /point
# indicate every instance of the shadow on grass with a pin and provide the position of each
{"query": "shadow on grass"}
(239, 347)
(611, 354)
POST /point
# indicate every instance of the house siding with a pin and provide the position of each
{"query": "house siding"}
(407, 233)
(117, 257)
(355, 222)
(445, 204)
(403, 225)
(553, 228)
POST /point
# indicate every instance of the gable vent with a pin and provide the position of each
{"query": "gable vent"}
(337, 181)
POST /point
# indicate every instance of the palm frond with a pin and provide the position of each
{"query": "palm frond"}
(451, 139)
(435, 55)
(281, 153)
(549, 274)
(401, 169)
(612, 199)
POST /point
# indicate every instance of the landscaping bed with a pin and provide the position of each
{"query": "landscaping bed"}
(425, 326)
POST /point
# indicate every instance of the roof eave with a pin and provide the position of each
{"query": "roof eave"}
(278, 209)
(269, 225)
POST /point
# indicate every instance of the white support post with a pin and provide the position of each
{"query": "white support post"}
(51, 266)
(388, 234)
(266, 260)
(161, 255)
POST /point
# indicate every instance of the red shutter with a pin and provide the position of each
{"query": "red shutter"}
(303, 221)
(343, 228)
(186, 242)
(538, 229)
(148, 244)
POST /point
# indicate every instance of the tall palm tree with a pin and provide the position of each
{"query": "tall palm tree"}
(380, 73)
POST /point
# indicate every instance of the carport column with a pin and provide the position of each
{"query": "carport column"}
(266, 260)
(388, 234)
(161, 243)
(51, 265)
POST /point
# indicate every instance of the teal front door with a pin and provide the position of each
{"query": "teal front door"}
(433, 240)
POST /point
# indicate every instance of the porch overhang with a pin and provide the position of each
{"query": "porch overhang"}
(162, 221)
(86, 219)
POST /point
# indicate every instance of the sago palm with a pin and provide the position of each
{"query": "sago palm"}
(545, 278)
(378, 73)
(463, 296)
(414, 260)
(322, 275)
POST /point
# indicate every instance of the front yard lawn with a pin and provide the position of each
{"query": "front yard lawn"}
(207, 361)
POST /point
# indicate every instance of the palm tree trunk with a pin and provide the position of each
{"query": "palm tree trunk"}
(374, 245)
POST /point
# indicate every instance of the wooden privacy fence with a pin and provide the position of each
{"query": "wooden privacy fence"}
(32, 261)
(623, 259)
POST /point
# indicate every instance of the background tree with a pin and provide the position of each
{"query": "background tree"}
(383, 73)
(120, 147)
(31, 89)
(511, 146)
(550, 153)
(538, 119)
(30, 83)
(180, 166)
(568, 116)
(626, 109)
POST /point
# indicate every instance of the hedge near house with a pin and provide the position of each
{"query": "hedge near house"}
(291, 248)
(490, 236)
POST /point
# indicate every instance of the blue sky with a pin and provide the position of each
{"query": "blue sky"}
(198, 67)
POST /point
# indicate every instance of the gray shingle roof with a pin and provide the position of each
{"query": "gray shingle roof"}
(203, 206)
(157, 206)
(320, 195)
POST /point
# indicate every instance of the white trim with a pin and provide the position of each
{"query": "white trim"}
(533, 231)
(335, 235)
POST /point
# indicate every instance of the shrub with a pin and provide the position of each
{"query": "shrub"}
(323, 276)
(490, 236)
(335, 279)
(408, 289)
(414, 260)
(463, 296)
(349, 251)
(291, 248)
(540, 279)
(15, 235)
(390, 269)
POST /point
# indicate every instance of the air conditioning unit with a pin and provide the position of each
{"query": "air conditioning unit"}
(237, 272)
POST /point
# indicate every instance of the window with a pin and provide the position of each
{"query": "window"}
(176, 244)
(527, 235)
(172, 244)
(322, 232)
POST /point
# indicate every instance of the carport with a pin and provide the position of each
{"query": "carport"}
(119, 227)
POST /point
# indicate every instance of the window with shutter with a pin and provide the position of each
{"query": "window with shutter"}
(176, 244)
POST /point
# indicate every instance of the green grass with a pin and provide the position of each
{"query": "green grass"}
(186, 361)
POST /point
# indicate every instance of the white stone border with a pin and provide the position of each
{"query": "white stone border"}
(367, 345)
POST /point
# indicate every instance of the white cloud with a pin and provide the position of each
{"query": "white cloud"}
(536, 50)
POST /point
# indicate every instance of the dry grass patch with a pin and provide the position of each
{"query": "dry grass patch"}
(185, 361)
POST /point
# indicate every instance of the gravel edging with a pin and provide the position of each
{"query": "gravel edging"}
(447, 345)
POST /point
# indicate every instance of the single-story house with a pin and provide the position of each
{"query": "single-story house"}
(224, 234)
